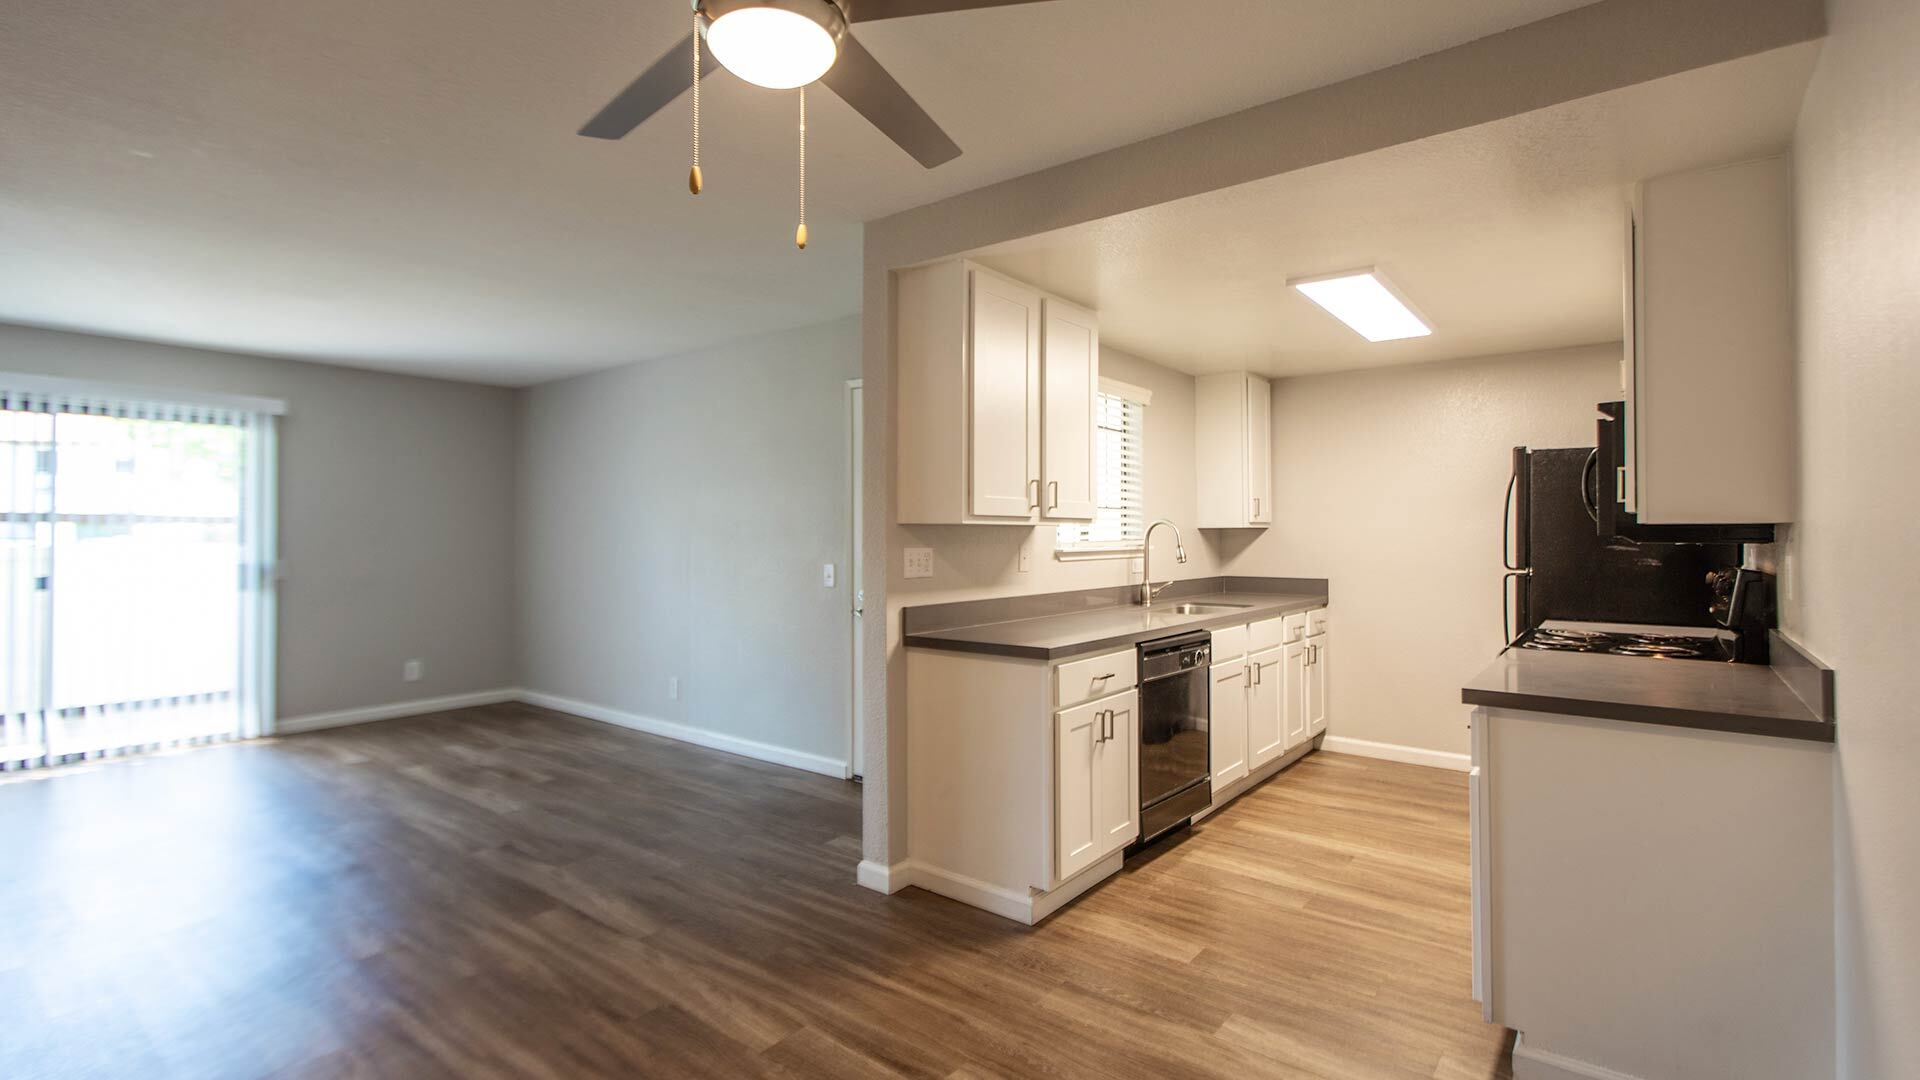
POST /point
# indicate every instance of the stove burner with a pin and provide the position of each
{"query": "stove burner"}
(1626, 643)
(1658, 650)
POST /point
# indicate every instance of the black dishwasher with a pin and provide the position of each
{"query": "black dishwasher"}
(1175, 769)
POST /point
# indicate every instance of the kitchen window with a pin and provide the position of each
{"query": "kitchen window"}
(1119, 480)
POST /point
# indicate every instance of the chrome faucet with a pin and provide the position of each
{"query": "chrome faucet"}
(1147, 591)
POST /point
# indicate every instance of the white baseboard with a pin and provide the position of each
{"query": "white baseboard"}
(882, 878)
(293, 725)
(712, 740)
(1532, 1064)
(1409, 755)
(1006, 903)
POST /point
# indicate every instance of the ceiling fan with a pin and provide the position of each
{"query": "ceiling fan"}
(782, 44)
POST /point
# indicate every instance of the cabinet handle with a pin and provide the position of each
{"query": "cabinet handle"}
(1034, 503)
(1053, 494)
(1109, 725)
(1256, 507)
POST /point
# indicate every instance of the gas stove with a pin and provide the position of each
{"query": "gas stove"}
(1624, 639)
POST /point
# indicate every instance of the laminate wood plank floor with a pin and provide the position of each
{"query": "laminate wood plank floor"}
(510, 892)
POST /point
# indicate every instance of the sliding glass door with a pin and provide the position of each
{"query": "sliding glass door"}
(135, 574)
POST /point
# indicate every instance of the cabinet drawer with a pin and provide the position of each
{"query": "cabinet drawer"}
(1317, 621)
(1229, 643)
(1097, 676)
(1295, 628)
(1265, 634)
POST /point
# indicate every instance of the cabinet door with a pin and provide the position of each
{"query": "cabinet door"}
(1116, 776)
(1069, 392)
(1293, 693)
(1259, 451)
(1003, 427)
(1227, 722)
(1316, 695)
(1078, 735)
(1266, 727)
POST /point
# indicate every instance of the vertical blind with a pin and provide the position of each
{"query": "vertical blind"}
(1119, 521)
(136, 573)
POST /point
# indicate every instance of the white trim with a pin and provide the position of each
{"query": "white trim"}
(1409, 755)
(1005, 903)
(293, 725)
(1532, 1064)
(109, 391)
(1090, 553)
(882, 878)
(1126, 390)
(712, 740)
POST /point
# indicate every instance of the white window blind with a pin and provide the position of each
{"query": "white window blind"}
(1119, 481)
(136, 585)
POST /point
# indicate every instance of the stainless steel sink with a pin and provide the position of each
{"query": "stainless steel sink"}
(1202, 609)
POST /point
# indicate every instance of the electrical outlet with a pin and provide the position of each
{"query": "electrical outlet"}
(412, 670)
(826, 576)
(673, 688)
(919, 562)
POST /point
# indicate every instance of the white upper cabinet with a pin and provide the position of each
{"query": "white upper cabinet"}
(1069, 391)
(1003, 332)
(1233, 449)
(997, 385)
(1708, 364)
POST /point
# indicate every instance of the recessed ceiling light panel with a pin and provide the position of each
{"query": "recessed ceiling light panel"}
(1365, 302)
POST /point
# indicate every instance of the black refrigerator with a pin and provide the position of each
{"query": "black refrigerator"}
(1560, 567)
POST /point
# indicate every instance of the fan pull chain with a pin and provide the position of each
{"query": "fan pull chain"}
(800, 234)
(694, 180)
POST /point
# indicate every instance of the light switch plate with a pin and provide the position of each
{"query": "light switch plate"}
(1026, 554)
(919, 562)
(412, 671)
(826, 576)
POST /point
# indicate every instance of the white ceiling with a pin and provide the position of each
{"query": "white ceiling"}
(1508, 237)
(397, 184)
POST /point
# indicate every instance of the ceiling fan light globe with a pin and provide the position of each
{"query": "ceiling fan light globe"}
(776, 47)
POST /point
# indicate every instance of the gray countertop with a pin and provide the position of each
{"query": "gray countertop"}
(1748, 698)
(1050, 637)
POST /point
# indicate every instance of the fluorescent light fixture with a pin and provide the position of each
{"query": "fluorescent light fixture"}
(776, 47)
(1364, 301)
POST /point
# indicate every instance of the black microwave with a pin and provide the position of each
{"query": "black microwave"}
(1608, 502)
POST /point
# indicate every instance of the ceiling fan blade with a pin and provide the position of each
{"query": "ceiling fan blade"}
(862, 83)
(668, 78)
(869, 10)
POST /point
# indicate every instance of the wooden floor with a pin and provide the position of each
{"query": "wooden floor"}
(505, 891)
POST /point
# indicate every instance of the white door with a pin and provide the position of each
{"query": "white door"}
(1003, 427)
(1293, 693)
(1117, 775)
(855, 577)
(1259, 451)
(1078, 733)
(1316, 695)
(1069, 392)
(1266, 726)
(1227, 722)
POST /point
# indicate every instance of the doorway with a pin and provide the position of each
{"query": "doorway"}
(856, 583)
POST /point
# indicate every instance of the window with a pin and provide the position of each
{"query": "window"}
(1120, 422)
(137, 606)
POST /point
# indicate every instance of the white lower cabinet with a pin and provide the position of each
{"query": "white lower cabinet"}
(1267, 692)
(1316, 684)
(1227, 722)
(1293, 662)
(1096, 781)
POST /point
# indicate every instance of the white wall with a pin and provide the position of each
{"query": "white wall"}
(1850, 589)
(1389, 483)
(674, 519)
(394, 494)
(972, 562)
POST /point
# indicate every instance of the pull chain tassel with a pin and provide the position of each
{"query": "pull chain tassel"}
(694, 180)
(800, 234)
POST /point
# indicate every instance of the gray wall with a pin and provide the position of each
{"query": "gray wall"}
(395, 494)
(674, 519)
(1850, 589)
(1389, 484)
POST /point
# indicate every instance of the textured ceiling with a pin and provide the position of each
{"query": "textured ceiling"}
(396, 183)
(1507, 236)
